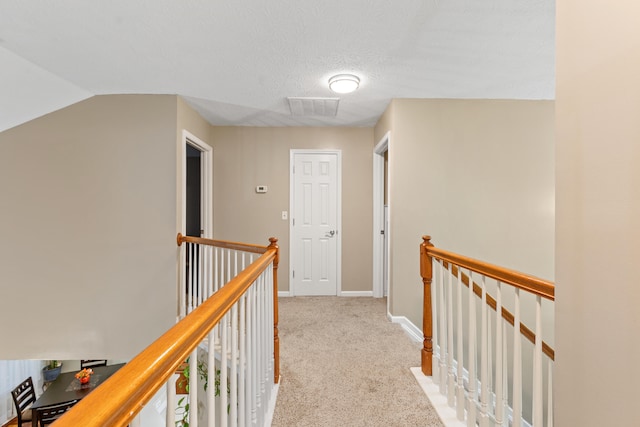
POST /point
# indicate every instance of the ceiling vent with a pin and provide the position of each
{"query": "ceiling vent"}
(327, 107)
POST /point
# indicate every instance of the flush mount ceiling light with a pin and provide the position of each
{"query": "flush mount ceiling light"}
(344, 83)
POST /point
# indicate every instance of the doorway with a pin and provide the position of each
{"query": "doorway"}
(194, 192)
(197, 186)
(315, 224)
(196, 219)
(381, 214)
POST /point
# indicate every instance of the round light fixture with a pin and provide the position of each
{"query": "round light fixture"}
(344, 83)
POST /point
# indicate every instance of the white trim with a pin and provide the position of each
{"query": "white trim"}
(284, 294)
(356, 294)
(378, 215)
(271, 408)
(440, 402)
(338, 154)
(446, 413)
(412, 330)
(206, 217)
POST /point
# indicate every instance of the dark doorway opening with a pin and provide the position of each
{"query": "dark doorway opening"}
(194, 192)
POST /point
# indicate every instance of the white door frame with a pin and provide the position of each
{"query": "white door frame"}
(378, 215)
(206, 184)
(338, 154)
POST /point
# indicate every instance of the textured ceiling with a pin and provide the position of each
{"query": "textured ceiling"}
(236, 62)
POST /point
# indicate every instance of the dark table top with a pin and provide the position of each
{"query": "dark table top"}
(67, 387)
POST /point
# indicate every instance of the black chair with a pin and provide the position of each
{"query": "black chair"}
(23, 396)
(92, 363)
(48, 414)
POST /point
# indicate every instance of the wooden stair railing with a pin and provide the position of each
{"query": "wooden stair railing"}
(468, 381)
(246, 247)
(519, 280)
(120, 398)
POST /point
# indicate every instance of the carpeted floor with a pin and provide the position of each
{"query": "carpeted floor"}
(342, 363)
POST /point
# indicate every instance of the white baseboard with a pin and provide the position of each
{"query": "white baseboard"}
(412, 330)
(271, 409)
(286, 294)
(439, 402)
(356, 293)
(446, 412)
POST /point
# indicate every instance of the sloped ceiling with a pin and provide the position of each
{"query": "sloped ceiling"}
(237, 61)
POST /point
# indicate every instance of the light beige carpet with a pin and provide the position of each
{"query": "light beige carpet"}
(342, 363)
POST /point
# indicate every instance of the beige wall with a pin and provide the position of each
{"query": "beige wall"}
(190, 120)
(88, 214)
(598, 213)
(478, 176)
(385, 123)
(245, 157)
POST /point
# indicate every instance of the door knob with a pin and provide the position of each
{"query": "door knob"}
(330, 233)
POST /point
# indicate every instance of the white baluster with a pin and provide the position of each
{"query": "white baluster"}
(234, 366)
(193, 388)
(208, 263)
(224, 374)
(214, 273)
(242, 378)
(517, 364)
(135, 422)
(211, 372)
(484, 357)
(451, 397)
(249, 390)
(550, 394)
(260, 352)
(270, 321)
(443, 335)
(460, 351)
(269, 330)
(490, 365)
(194, 276)
(255, 387)
(223, 252)
(200, 276)
(505, 376)
(189, 278)
(170, 413)
(499, 410)
(182, 281)
(204, 286)
(472, 394)
(537, 418)
(434, 320)
(228, 278)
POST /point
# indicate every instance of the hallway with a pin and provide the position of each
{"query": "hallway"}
(344, 364)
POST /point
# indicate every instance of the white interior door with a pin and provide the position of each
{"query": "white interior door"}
(315, 223)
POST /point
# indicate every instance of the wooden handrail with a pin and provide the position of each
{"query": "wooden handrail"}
(121, 397)
(531, 284)
(258, 249)
(519, 280)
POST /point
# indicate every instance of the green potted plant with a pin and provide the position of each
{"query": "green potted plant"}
(182, 387)
(51, 370)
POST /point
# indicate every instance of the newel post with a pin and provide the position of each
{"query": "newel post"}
(426, 271)
(276, 339)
